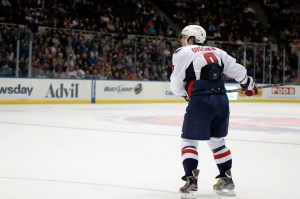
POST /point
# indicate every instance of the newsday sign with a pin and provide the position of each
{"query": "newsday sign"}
(72, 91)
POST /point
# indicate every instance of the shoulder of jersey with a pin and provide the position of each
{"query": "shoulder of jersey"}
(177, 50)
(182, 48)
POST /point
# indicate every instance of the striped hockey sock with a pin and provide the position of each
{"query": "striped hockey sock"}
(189, 156)
(222, 156)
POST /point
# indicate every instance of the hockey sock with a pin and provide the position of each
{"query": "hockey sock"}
(189, 156)
(222, 155)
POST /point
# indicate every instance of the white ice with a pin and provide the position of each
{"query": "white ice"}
(132, 151)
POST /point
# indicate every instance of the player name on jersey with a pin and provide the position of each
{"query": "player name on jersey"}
(200, 49)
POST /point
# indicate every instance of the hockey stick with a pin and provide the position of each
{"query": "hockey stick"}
(265, 86)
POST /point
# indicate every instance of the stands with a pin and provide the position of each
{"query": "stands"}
(130, 40)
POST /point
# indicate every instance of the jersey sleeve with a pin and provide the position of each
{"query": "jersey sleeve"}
(178, 74)
(233, 69)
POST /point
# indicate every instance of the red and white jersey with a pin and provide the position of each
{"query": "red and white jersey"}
(199, 56)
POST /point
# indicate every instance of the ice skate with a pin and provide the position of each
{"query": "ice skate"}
(188, 191)
(225, 185)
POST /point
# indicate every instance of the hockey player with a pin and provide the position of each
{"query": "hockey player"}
(198, 77)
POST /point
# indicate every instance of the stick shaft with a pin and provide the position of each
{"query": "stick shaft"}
(265, 86)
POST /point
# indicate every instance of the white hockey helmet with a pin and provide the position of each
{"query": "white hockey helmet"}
(194, 30)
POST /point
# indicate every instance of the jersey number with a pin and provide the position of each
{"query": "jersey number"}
(210, 57)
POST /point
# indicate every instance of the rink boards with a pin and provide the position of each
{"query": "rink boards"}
(78, 91)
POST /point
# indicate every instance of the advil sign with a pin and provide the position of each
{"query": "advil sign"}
(62, 91)
(283, 91)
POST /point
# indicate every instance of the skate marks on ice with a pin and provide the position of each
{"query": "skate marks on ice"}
(64, 189)
(99, 152)
(266, 123)
(145, 132)
(32, 188)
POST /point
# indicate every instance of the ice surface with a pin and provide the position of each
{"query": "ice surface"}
(132, 151)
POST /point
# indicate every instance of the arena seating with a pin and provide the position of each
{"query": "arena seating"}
(133, 39)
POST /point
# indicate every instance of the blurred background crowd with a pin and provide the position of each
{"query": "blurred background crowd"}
(135, 39)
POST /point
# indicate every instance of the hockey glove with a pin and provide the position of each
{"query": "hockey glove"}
(249, 86)
(186, 97)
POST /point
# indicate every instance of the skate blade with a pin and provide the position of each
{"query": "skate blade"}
(226, 192)
(189, 195)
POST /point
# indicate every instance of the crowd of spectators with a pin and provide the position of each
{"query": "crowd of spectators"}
(263, 63)
(131, 40)
(60, 53)
(224, 20)
(285, 21)
(105, 16)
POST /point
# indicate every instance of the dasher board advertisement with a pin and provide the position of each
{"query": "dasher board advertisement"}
(44, 90)
(133, 90)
